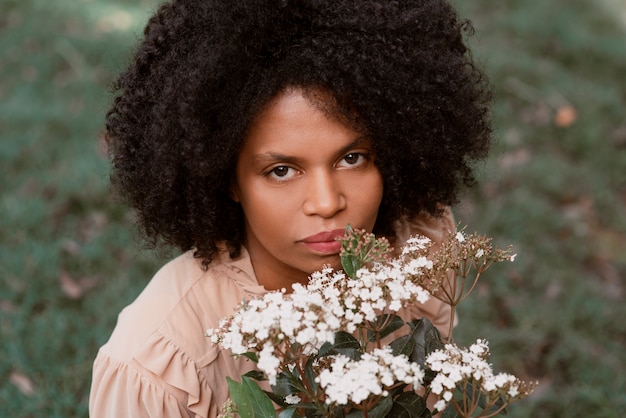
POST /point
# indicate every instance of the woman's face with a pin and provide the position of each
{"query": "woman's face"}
(301, 177)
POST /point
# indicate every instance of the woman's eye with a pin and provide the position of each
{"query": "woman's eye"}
(353, 159)
(281, 173)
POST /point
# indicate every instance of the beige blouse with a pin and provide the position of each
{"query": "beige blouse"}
(158, 363)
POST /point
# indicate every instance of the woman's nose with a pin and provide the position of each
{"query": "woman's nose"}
(324, 195)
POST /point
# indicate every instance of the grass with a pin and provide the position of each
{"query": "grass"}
(554, 187)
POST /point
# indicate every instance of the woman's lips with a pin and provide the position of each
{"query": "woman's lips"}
(324, 242)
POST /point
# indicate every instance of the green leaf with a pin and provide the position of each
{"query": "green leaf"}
(277, 399)
(418, 344)
(379, 411)
(312, 410)
(394, 324)
(251, 401)
(403, 345)
(450, 412)
(290, 412)
(256, 375)
(286, 384)
(409, 405)
(425, 338)
(310, 375)
(344, 344)
(252, 356)
(350, 264)
(397, 390)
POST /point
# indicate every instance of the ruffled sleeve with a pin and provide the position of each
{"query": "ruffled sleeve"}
(436, 229)
(158, 363)
(122, 390)
(160, 381)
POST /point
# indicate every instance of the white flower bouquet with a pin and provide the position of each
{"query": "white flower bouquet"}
(339, 347)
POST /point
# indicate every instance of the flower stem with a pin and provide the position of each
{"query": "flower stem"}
(451, 326)
(312, 394)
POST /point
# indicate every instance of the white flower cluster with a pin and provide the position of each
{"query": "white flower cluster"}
(454, 365)
(264, 324)
(376, 372)
(392, 285)
(330, 302)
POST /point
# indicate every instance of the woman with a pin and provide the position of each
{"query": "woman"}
(248, 134)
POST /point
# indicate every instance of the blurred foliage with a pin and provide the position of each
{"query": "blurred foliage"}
(554, 187)
(68, 259)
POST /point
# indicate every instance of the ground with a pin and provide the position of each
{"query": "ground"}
(554, 187)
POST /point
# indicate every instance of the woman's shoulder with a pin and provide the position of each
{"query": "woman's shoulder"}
(158, 345)
(435, 227)
(181, 301)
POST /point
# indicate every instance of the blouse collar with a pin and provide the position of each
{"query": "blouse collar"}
(245, 276)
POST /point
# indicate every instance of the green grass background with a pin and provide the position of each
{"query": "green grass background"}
(554, 188)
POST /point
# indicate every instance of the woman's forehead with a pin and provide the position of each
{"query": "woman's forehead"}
(290, 120)
(318, 98)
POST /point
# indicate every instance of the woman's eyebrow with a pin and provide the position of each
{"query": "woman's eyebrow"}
(358, 142)
(270, 156)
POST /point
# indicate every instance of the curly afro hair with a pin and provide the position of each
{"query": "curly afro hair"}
(398, 70)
